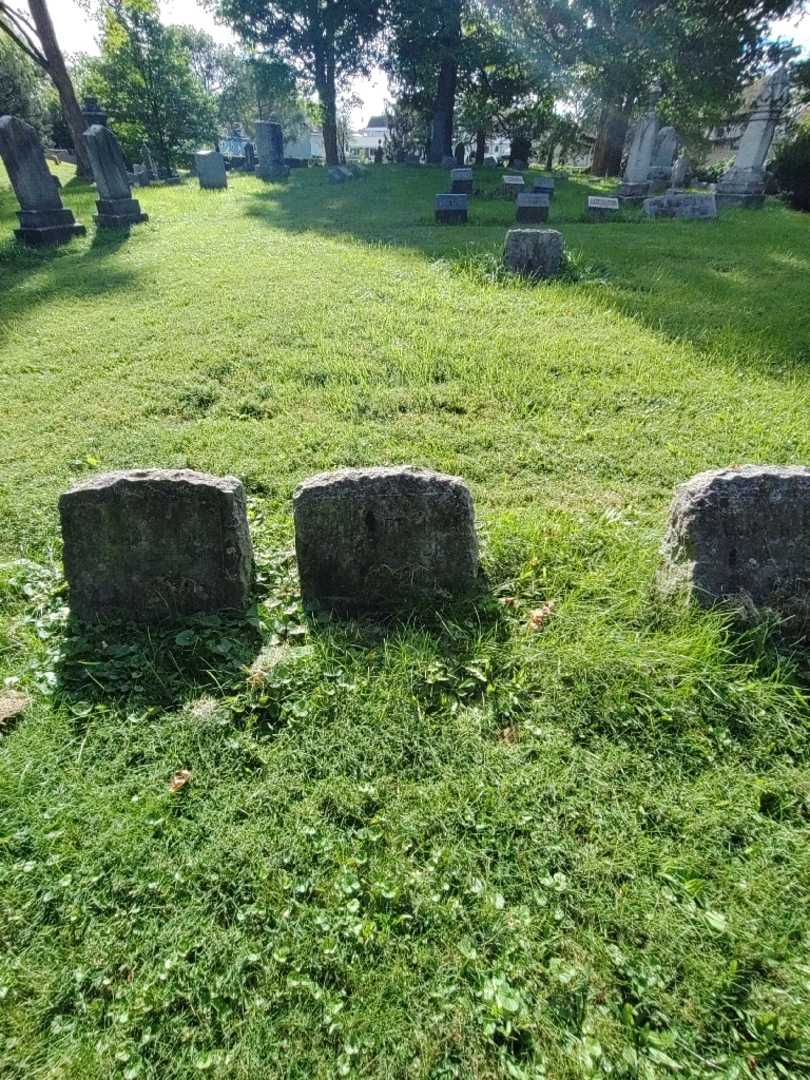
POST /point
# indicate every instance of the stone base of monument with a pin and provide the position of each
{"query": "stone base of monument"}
(633, 194)
(451, 209)
(534, 253)
(118, 213)
(47, 228)
(272, 172)
(740, 200)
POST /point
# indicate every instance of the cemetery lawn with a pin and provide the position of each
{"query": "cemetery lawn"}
(558, 832)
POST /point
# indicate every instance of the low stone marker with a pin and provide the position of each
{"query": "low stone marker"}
(532, 208)
(685, 206)
(337, 176)
(116, 207)
(490, 163)
(512, 185)
(451, 209)
(377, 539)
(535, 253)
(544, 185)
(602, 207)
(461, 181)
(742, 534)
(142, 176)
(44, 221)
(150, 545)
(210, 166)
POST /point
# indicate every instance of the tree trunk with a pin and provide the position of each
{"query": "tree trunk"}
(327, 95)
(609, 146)
(61, 80)
(441, 139)
(480, 146)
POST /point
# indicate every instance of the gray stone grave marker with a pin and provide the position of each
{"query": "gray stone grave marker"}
(532, 207)
(376, 539)
(602, 207)
(535, 253)
(44, 221)
(742, 535)
(270, 151)
(210, 167)
(451, 208)
(116, 207)
(687, 206)
(461, 181)
(155, 544)
(512, 185)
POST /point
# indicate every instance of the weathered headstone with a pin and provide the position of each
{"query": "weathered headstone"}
(635, 182)
(666, 145)
(270, 151)
(545, 185)
(745, 182)
(460, 155)
(210, 167)
(116, 207)
(141, 174)
(376, 539)
(155, 544)
(520, 164)
(451, 209)
(44, 221)
(742, 534)
(148, 162)
(680, 173)
(511, 185)
(490, 162)
(535, 253)
(92, 113)
(461, 181)
(532, 207)
(250, 157)
(602, 207)
(686, 205)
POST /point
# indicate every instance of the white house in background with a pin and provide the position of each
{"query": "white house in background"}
(363, 143)
(308, 145)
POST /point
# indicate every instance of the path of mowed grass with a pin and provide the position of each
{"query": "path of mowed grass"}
(449, 845)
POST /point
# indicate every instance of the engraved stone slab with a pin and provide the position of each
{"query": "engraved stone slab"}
(372, 539)
(150, 545)
(685, 206)
(451, 208)
(461, 181)
(210, 167)
(535, 253)
(532, 207)
(602, 207)
(742, 534)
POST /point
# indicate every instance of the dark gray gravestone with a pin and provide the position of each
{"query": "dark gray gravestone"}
(512, 185)
(270, 151)
(602, 207)
(532, 208)
(337, 176)
(44, 220)
(451, 209)
(116, 207)
(210, 167)
(459, 155)
(742, 534)
(535, 253)
(371, 539)
(461, 181)
(545, 185)
(685, 206)
(250, 157)
(155, 544)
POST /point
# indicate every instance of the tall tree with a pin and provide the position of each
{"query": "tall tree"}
(145, 80)
(37, 38)
(22, 87)
(326, 41)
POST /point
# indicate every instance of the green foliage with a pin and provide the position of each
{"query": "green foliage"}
(145, 79)
(791, 167)
(24, 88)
(560, 831)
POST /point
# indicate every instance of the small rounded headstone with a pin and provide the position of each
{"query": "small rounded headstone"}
(535, 253)
(384, 538)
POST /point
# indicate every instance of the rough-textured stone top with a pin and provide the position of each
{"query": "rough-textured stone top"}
(394, 480)
(229, 484)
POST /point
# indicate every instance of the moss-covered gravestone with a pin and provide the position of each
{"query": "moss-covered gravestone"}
(152, 545)
(376, 539)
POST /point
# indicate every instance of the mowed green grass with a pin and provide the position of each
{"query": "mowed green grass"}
(472, 843)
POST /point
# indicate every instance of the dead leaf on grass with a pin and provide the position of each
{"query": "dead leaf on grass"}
(13, 703)
(179, 780)
(540, 616)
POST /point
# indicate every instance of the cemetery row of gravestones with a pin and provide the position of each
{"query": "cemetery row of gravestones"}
(155, 545)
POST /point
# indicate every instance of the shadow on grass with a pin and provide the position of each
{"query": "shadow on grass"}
(734, 287)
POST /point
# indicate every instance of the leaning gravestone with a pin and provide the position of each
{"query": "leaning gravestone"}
(154, 544)
(512, 185)
(535, 253)
(44, 221)
(372, 539)
(461, 181)
(270, 151)
(680, 173)
(451, 209)
(116, 207)
(742, 534)
(666, 145)
(745, 182)
(681, 205)
(532, 207)
(635, 181)
(602, 207)
(210, 167)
